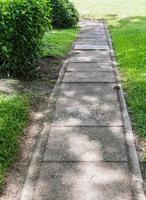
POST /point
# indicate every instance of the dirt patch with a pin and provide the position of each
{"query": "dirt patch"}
(40, 90)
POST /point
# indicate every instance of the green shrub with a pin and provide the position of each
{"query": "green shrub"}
(22, 26)
(64, 14)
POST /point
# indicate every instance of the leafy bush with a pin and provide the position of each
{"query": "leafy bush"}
(22, 26)
(64, 14)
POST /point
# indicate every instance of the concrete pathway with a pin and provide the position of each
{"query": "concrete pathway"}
(87, 155)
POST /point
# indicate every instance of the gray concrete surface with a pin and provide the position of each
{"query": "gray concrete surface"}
(86, 144)
(89, 67)
(89, 92)
(91, 46)
(95, 77)
(87, 154)
(90, 56)
(84, 181)
(72, 112)
(92, 40)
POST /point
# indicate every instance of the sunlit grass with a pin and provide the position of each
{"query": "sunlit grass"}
(129, 40)
(57, 43)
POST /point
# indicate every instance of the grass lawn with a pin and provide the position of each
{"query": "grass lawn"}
(14, 111)
(127, 25)
(129, 39)
(14, 108)
(57, 43)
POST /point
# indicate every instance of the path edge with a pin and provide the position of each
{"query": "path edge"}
(33, 171)
(135, 170)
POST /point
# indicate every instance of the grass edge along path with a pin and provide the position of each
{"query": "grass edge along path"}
(57, 43)
(14, 115)
(129, 39)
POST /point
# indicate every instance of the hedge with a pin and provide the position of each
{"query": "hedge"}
(63, 14)
(22, 26)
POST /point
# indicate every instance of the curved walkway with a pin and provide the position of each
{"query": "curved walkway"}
(90, 152)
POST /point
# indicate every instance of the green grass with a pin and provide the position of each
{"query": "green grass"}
(127, 24)
(13, 118)
(129, 39)
(57, 43)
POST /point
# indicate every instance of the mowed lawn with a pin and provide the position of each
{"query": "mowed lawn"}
(57, 43)
(129, 40)
(14, 114)
(127, 26)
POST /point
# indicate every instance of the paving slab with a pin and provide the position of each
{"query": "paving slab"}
(90, 40)
(90, 46)
(83, 181)
(89, 112)
(91, 52)
(94, 77)
(88, 36)
(94, 92)
(94, 30)
(87, 104)
(85, 23)
(89, 67)
(90, 23)
(89, 59)
(101, 43)
(90, 56)
(96, 37)
(92, 27)
(99, 37)
(86, 144)
(93, 36)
